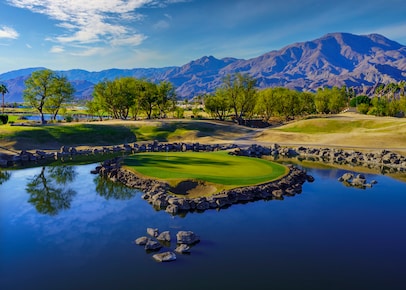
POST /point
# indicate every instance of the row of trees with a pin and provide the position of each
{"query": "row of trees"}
(127, 96)
(240, 98)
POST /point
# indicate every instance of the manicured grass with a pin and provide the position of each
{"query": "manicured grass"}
(326, 126)
(214, 167)
(50, 136)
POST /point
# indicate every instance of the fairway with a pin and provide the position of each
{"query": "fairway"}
(214, 167)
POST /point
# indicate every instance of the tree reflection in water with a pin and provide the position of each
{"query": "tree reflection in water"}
(48, 191)
(4, 176)
(108, 189)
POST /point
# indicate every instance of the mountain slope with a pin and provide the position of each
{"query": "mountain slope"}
(335, 59)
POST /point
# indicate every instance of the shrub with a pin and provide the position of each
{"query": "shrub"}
(3, 119)
(69, 118)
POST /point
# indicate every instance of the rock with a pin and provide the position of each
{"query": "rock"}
(187, 237)
(165, 257)
(347, 177)
(182, 249)
(142, 241)
(152, 232)
(164, 236)
(172, 209)
(152, 246)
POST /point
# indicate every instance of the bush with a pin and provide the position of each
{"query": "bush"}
(69, 118)
(3, 119)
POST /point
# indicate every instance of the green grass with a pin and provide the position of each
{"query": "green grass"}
(52, 136)
(326, 126)
(214, 167)
(77, 134)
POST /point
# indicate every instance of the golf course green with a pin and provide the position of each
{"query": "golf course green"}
(212, 167)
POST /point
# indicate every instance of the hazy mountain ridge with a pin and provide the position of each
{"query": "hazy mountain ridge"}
(332, 60)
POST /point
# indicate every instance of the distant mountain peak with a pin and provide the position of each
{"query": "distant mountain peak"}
(335, 59)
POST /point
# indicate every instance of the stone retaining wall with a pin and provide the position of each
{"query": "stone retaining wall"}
(381, 161)
(157, 193)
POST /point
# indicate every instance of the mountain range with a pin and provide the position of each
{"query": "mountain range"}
(336, 59)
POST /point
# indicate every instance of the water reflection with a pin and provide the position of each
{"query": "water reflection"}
(48, 190)
(108, 190)
(4, 176)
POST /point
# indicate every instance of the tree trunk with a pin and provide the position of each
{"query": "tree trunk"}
(42, 118)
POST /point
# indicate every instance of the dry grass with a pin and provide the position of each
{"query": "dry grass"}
(346, 130)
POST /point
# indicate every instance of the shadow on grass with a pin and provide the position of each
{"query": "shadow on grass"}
(54, 136)
(172, 161)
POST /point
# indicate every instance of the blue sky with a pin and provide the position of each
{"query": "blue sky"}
(102, 34)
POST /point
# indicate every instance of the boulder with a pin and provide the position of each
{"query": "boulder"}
(164, 257)
(182, 249)
(142, 241)
(152, 232)
(164, 236)
(152, 246)
(187, 237)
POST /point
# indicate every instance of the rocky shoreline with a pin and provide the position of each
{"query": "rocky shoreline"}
(159, 195)
(383, 160)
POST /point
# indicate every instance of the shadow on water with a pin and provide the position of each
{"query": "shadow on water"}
(4, 176)
(49, 191)
(110, 190)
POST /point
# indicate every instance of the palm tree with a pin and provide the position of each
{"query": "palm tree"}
(3, 90)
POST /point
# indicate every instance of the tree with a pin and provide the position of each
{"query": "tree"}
(148, 97)
(166, 98)
(217, 105)
(63, 93)
(242, 95)
(3, 91)
(45, 90)
(361, 99)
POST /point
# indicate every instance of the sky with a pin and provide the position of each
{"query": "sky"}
(101, 34)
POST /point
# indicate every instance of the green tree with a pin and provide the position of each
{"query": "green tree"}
(45, 89)
(337, 100)
(148, 97)
(379, 106)
(217, 105)
(361, 99)
(242, 95)
(3, 91)
(166, 98)
(321, 101)
(62, 93)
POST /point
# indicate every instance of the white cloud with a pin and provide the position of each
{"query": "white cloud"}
(8, 32)
(91, 21)
(28, 45)
(57, 49)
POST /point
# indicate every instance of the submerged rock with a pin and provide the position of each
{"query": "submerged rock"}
(142, 241)
(152, 246)
(164, 257)
(182, 249)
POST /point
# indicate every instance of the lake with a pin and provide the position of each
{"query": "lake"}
(63, 228)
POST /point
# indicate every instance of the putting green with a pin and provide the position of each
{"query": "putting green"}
(214, 167)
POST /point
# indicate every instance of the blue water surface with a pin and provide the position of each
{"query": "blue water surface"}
(81, 236)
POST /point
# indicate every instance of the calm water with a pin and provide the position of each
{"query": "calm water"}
(80, 236)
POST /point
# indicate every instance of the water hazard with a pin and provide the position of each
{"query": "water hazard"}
(63, 228)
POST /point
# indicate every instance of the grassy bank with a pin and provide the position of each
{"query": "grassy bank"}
(213, 167)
